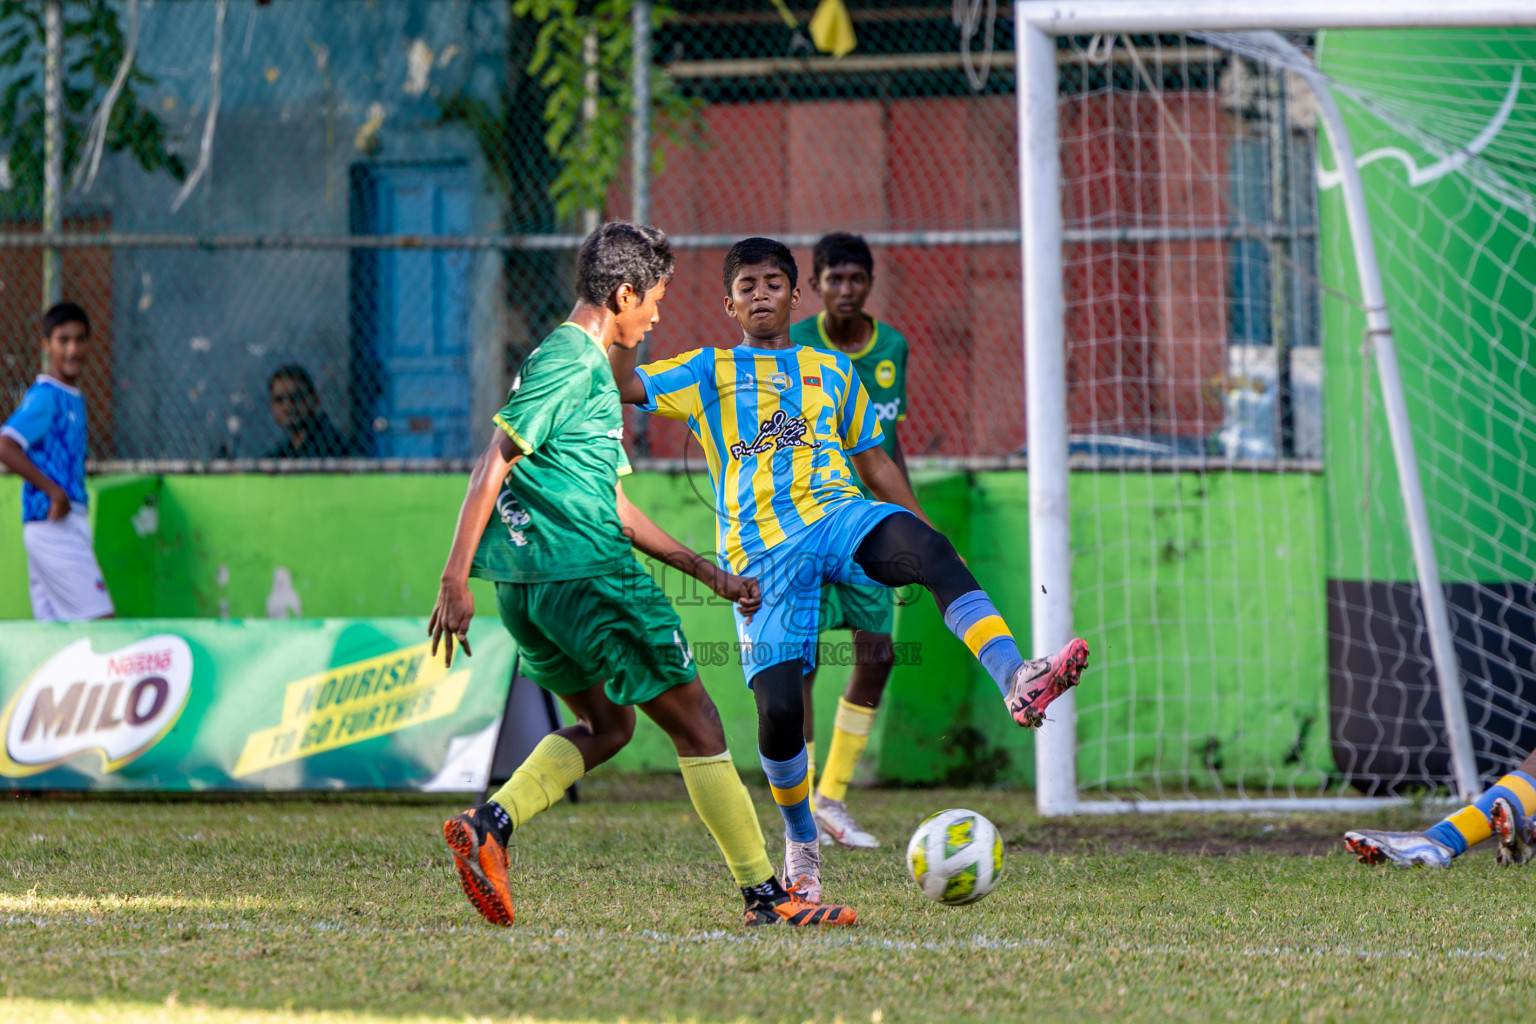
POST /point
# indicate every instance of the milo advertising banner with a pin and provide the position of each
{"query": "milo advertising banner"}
(190, 704)
(1444, 144)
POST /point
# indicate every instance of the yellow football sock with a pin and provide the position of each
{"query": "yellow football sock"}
(810, 770)
(850, 735)
(726, 808)
(1472, 824)
(542, 779)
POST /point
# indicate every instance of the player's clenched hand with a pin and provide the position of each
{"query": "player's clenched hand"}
(744, 591)
(58, 504)
(451, 617)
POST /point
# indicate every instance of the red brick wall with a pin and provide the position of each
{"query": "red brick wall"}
(1146, 323)
(87, 280)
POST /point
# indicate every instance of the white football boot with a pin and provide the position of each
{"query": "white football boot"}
(802, 869)
(1405, 849)
(821, 833)
(838, 825)
(1036, 684)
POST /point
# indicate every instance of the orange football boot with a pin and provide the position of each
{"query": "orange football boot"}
(789, 907)
(482, 864)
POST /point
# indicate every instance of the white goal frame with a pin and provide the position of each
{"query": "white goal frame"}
(1037, 24)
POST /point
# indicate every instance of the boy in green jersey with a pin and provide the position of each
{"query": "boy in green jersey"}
(546, 519)
(842, 276)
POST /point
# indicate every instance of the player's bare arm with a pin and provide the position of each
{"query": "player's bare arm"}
(899, 454)
(887, 481)
(455, 606)
(14, 458)
(646, 536)
(623, 360)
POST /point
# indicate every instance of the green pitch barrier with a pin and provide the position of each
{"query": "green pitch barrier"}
(1455, 245)
(1202, 598)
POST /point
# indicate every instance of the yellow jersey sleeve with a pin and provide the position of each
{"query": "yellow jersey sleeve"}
(672, 386)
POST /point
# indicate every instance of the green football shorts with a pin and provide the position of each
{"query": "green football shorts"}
(852, 606)
(573, 634)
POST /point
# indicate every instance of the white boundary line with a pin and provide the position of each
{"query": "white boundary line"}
(561, 939)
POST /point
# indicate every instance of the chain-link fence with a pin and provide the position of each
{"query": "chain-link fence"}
(383, 196)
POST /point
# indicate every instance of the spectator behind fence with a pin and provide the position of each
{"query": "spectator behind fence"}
(309, 432)
(44, 443)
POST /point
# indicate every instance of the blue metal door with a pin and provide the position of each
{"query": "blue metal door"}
(411, 312)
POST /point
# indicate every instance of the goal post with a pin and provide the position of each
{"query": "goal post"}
(1195, 252)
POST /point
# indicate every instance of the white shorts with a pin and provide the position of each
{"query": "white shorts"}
(62, 572)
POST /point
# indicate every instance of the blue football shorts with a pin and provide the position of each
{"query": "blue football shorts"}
(792, 574)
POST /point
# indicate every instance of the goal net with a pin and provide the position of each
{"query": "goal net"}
(1241, 558)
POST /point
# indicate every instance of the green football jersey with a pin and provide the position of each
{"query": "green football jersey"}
(557, 517)
(881, 365)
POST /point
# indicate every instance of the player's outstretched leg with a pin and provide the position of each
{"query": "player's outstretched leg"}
(781, 751)
(478, 838)
(690, 719)
(1506, 810)
(901, 550)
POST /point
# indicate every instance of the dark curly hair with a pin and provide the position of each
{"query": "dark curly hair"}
(760, 250)
(838, 248)
(620, 253)
(61, 313)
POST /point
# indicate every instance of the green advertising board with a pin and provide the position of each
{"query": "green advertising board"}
(1454, 242)
(188, 705)
(1444, 149)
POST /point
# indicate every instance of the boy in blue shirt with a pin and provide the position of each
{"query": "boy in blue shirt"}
(44, 443)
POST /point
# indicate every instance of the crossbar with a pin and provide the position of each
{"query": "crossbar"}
(1084, 17)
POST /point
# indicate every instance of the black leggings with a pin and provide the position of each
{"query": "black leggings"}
(899, 551)
(780, 710)
(902, 550)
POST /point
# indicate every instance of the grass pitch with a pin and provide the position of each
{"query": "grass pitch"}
(323, 910)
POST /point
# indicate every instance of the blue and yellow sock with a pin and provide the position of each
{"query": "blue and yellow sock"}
(973, 619)
(791, 789)
(1472, 824)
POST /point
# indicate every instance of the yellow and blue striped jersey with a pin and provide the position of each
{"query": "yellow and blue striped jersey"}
(777, 427)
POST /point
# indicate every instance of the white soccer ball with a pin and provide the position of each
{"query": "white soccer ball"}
(955, 856)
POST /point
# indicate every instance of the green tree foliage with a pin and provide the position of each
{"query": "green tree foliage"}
(93, 49)
(590, 153)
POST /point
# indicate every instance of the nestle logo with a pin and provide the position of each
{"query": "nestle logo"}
(138, 664)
